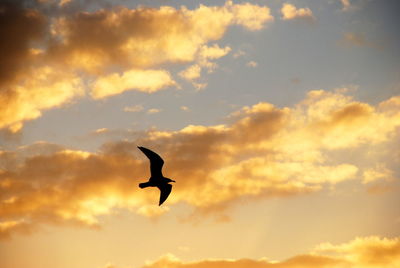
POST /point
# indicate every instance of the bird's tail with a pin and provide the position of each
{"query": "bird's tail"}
(144, 185)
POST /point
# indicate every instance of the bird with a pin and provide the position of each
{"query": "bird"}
(156, 179)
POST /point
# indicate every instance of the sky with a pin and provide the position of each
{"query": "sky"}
(278, 120)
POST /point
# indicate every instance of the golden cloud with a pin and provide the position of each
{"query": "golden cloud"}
(141, 80)
(45, 88)
(290, 12)
(260, 152)
(191, 73)
(379, 172)
(9, 227)
(39, 69)
(147, 37)
(368, 252)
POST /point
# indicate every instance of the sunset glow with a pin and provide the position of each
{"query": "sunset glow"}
(278, 120)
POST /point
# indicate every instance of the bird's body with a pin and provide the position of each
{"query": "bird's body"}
(157, 179)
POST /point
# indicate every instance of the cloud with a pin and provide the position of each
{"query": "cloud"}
(290, 12)
(199, 86)
(354, 39)
(147, 37)
(351, 39)
(9, 227)
(148, 81)
(64, 2)
(191, 73)
(134, 108)
(368, 252)
(252, 64)
(261, 151)
(295, 80)
(44, 89)
(346, 5)
(379, 172)
(20, 27)
(152, 211)
(45, 59)
(206, 54)
(153, 111)
(239, 53)
(213, 52)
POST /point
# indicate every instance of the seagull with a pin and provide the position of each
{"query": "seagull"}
(157, 179)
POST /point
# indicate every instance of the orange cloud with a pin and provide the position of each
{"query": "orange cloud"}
(260, 152)
(142, 80)
(368, 252)
(147, 37)
(45, 88)
(45, 59)
(9, 227)
(290, 12)
(191, 73)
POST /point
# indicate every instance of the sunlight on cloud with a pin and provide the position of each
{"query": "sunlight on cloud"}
(368, 252)
(142, 80)
(46, 88)
(152, 211)
(153, 111)
(134, 108)
(252, 64)
(250, 16)
(261, 152)
(290, 12)
(156, 36)
(191, 73)
(12, 226)
(379, 172)
(44, 64)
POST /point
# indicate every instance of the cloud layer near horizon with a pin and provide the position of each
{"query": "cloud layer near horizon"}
(260, 152)
(126, 48)
(366, 252)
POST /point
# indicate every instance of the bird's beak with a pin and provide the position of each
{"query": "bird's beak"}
(173, 181)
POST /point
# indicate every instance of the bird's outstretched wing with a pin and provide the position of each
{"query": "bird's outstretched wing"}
(165, 190)
(156, 162)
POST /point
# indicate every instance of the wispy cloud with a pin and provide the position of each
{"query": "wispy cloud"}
(252, 64)
(191, 73)
(134, 108)
(153, 111)
(352, 39)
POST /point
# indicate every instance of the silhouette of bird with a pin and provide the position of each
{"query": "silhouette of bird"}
(157, 179)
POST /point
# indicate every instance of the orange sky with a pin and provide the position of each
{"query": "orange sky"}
(279, 120)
